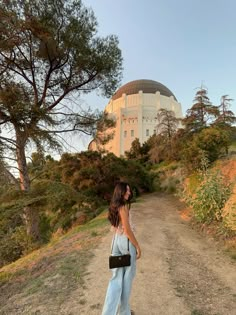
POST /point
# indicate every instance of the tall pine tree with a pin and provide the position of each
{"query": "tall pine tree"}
(201, 114)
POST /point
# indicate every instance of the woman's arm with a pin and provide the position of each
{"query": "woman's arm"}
(124, 216)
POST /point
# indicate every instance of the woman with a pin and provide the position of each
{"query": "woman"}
(119, 288)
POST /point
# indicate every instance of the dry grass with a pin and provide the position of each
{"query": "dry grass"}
(53, 271)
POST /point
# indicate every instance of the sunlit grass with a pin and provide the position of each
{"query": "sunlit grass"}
(58, 267)
(54, 271)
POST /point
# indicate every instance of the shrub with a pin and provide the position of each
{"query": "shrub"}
(66, 192)
(15, 244)
(210, 196)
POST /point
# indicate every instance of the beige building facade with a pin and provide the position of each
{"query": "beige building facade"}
(134, 108)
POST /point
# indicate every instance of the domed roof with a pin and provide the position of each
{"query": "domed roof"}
(147, 86)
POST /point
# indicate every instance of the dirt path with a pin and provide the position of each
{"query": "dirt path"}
(180, 272)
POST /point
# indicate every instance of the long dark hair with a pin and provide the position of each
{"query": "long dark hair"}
(118, 201)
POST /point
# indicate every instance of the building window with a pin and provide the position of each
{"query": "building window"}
(125, 133)
(132, 133)
(154, 132)
(147, 132)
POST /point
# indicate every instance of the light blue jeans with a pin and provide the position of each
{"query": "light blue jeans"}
(119, 287)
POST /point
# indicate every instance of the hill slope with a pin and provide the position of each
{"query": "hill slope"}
(180, 272)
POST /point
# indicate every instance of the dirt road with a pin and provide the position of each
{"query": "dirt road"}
(180, 272)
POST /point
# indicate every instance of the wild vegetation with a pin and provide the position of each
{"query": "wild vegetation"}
(206, 131)
(43, 72)
(185, 160)
(208, 195)
(53, 272)
(50, 54)
(64, 193)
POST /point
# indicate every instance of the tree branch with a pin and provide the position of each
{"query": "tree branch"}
(69, 130)
(69, 90)
(32, 67)
(8, 140)
(22, 73)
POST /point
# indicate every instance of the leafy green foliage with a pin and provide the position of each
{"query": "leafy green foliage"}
(14, 244)
(210, 196)
(210, 142)
(135, 150)
(213, 142)
(226, 117)
(90, 171)
(14, 241)
(201, 114)
(64, 193)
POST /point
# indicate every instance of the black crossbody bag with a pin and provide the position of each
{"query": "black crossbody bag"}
(121, 260)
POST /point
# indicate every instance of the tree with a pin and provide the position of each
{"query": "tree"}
(209, 143)
(138, 152)
(201, 114)
(135, 150)
(226, 117)
(49, 56)
(212, 141)
(167, 122)
(158, 148)
(162, 146)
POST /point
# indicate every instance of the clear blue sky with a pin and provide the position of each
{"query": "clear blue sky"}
(180, 43)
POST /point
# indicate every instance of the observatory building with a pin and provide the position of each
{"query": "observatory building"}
(134, 108)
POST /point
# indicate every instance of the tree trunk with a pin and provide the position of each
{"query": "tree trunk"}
(31, 215)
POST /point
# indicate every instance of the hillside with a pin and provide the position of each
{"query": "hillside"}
(59, 278)
(180, 272)
(228, 169)
(47, 277)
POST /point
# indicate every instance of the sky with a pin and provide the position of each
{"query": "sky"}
(183, 44)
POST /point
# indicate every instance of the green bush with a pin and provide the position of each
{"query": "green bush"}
(45, 228)
(64, 193)
(209, 197)
(171, 186)
(14, 244)
(156, 181)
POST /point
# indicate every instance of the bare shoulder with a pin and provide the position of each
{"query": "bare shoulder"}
(124, 209)
(124, 212)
